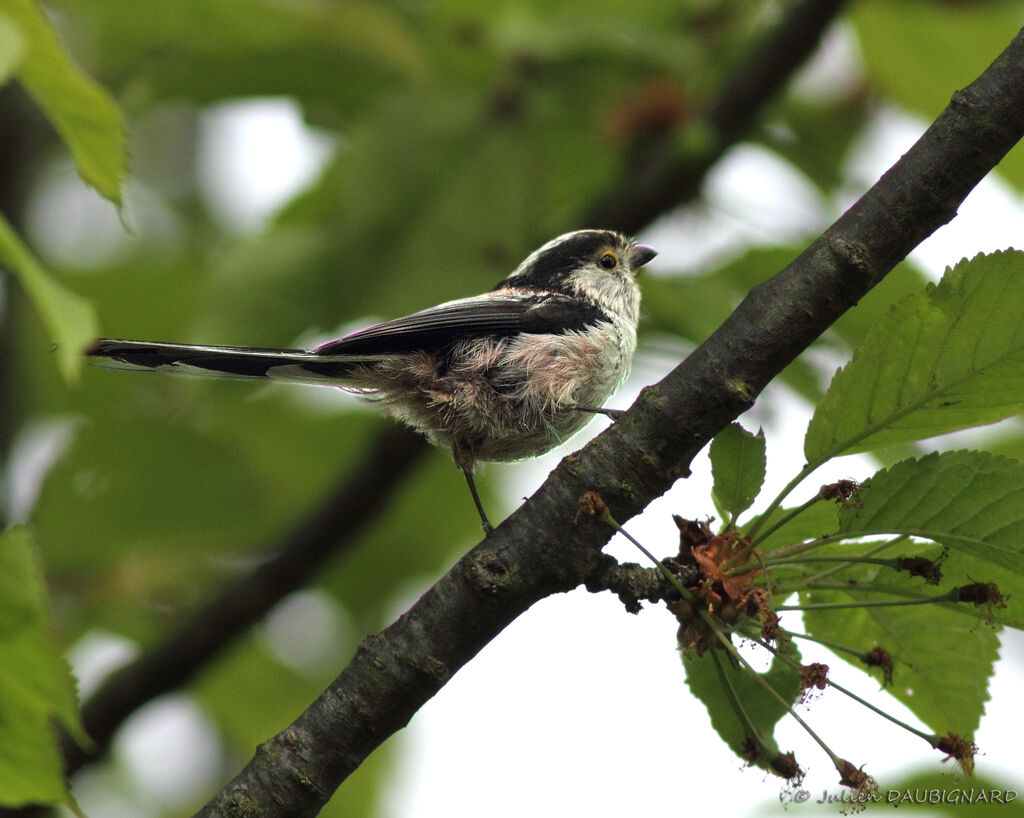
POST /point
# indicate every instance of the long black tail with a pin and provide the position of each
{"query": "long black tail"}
(221, 362)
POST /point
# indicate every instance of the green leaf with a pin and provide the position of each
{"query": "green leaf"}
(70, 320)
(945, 359)
(919, 52)
(222, 49)
(972, 502)
(943, 655)
(942, 658)
(172, 490)
(816, 135)
(36, 687)
(82, 112)
(738, 469)
(763, 709)
(12, 47)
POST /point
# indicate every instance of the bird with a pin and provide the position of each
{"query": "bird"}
(505, 375)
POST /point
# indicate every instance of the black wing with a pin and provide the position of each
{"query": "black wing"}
(494, 314)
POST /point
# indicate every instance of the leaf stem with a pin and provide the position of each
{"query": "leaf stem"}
(750, 546)
(888, 563)
(789, 515)
(950, 596)
(810, 545)
(931, 739)
(767, 752)
(606, 517)
(788, 585)
(833, 646)
(731, 649)
(782, 495)
(867, 554)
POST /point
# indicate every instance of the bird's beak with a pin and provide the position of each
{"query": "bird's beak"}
(642, 255)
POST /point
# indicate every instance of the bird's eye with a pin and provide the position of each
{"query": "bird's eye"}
(608, 260)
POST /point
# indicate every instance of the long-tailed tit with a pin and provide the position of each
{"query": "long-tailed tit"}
(501, 376)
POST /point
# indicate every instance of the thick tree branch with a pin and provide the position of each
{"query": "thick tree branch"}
(538, 551)
(178, 658)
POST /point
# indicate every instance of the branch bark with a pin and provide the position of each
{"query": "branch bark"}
(539, 551)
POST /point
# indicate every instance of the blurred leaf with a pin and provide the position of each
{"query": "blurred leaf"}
(190, 467)
(920, 51)
(968, 501)
(291, 270)
(948, 358)
(196, 471)
(405, 552)
(300, 441)
(82, 112)
(334, 57)
(12, 46)
(402, 219)
(171, 489)
(69, 319)
(152, 293)
(252, 696)
(763, 709)
(738, 468)
(36, 687)
(411, 223)
(816, 137)
(693, 307)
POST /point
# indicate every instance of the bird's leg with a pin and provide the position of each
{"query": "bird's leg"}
(488, 528)
(614, 414)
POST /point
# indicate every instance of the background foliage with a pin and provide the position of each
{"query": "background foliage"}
(458, 136)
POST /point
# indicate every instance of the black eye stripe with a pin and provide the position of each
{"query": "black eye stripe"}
(550, 269)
